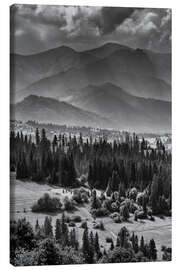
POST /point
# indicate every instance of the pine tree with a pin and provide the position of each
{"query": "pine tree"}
(86, 248)
(65, 231)
(142, 247)
(37, 137)
(48, 231)
(96, 245)
(58, 233)
(91, 239)
(136, 245)
(73, 241)
(123, 237)
(124, 212)
(37, 227)
(152, 250)
(112, 245)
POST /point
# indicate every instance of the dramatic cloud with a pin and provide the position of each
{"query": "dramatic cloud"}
(38, 27)
(109, 18)
(148, 28)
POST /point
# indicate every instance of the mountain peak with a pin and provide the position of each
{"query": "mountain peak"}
(115, 45)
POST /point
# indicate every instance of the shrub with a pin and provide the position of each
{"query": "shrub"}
(47, 204)
(71, 256)
(152, 218)
(140, 214)
(72, 224)
(76, 219)
(124, 212)
(100, 212)
(67, 219)
(140, 197)
(77, 197)
(115, 206)
(109, 240)
(85, 197)
(113, 215)
(119, 255)
(49, 253)
(69, 204)
(107, 204)
(117, 219)
(99, 226)
(133, 193)
(84, 225)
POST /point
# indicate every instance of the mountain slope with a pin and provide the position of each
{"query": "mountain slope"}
(29, 69)
(129, 112)
(100, 72)
(48, 110)
(139, 72)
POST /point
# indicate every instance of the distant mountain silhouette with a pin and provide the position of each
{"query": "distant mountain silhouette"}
(119, 86)
(127, 111)
(138, 72)
(48, 110)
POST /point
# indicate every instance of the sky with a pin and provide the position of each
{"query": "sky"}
(36, 28)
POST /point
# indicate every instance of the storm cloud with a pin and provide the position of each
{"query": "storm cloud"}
(39, 27)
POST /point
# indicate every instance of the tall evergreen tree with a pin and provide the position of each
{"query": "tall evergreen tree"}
(87, 248)
(152, 250)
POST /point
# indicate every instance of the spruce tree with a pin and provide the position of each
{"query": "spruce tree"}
(37, 137)
(48, 230)
(112, 245)
(142, 247)
(86, 248)
(58, 233)
(152, 250)
(96, 245)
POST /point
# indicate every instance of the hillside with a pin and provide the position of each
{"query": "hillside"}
(139, 72)
(129, 112)
(48, 110)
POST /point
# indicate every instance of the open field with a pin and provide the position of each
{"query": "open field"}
(26, 193)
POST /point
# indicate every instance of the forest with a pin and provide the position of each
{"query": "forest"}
(133, 179)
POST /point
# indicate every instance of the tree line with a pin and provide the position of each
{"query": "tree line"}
(43, 245)
(111, 166)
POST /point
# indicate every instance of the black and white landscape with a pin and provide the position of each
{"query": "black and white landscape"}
(90, 135)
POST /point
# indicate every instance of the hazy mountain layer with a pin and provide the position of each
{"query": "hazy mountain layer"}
(138, 72)
(48, 110)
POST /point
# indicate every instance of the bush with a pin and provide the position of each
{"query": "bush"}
(124, 212)
(119, 255)
(109, 240)
(113, 215)
(69, 204)
(67, 219)
(115, 206)
(85, 197)
(49, 253)
(140, 214)
(133, 193)
(76, 219)
(47, 204)
(72, 224)
(77, 197)
(99, 226)
(100, 212)
(84, 225)
(117, 219)
(107, 204)
(152, 218)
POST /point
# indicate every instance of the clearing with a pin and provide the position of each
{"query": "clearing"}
(24, 194)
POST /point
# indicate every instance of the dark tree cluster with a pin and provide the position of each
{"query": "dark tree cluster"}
(42, 245)
(111, 166)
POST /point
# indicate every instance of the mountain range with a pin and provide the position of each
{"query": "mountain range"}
(109, 86)
(49, 110)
